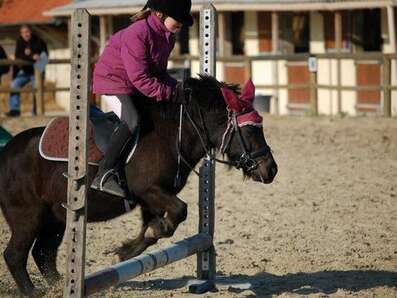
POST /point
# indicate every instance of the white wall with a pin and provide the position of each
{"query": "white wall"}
(349, 98)
(251, 43)
(327, 75)
(60, 75)
(317, 44)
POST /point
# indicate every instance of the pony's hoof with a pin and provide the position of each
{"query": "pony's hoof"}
(116, 254)
(108, 252)
(33, 293)
(121, 257)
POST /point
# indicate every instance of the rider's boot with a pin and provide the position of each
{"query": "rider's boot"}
(107, 178)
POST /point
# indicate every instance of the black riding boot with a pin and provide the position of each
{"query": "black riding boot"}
(107, 178)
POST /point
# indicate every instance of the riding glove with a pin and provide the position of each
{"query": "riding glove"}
(179, 94)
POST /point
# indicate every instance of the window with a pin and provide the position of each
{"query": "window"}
(329, 30)
(366, 30)
(237, 32)
(301, 32)
(295, 32)
(265, 31)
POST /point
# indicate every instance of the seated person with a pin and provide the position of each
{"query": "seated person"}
(29, 47)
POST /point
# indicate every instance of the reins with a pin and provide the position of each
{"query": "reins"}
(246, 161)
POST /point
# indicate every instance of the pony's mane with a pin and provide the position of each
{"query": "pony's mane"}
(211, 82)
(206, 93)
(206, 90)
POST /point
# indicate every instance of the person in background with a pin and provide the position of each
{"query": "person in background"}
(29, 47)
(3, 68)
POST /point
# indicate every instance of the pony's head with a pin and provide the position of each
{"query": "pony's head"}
(232, 125)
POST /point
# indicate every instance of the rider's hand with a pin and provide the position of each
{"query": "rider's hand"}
(179, 94)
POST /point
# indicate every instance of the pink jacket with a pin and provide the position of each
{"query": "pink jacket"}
(136, 58)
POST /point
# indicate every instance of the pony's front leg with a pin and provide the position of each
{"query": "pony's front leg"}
(161, 214)
(134, 247)
(169, 212)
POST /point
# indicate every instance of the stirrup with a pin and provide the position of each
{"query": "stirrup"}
(111, 172)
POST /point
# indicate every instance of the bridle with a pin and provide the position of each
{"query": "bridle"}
(246, 161)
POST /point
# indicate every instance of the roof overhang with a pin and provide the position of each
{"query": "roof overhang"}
(32, 23)
(303, 5)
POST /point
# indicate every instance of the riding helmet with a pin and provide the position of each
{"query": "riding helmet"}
(176, 9)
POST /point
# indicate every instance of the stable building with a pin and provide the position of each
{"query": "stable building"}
(255, 29)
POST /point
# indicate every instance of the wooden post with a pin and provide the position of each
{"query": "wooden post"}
(338, 46)
(275, 42)
(39, 95)
(110, 26)
(312, 64)
(103, 28)
(248, 68)
(393, 71)
(391, 26)
(77, 165)
(386, 87)
(69, 23)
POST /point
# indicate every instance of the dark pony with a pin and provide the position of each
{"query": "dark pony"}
(32, 189)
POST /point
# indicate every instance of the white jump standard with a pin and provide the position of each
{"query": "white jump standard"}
(201, 244)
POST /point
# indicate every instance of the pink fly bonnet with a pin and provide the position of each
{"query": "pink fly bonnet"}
(243, 106)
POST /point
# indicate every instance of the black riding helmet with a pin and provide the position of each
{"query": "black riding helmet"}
(176, 9)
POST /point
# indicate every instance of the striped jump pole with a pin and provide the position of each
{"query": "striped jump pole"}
(127, 270)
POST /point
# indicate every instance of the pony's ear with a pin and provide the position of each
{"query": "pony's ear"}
(231, 99)
(248, 93)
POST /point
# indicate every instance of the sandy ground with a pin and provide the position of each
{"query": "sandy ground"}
(325, 228)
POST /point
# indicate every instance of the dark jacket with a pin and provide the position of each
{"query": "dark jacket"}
(36, 45)
(3, 68)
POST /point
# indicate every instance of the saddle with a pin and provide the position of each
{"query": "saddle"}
(54, 142)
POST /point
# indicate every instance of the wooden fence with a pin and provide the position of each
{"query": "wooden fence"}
(384, 59)
(39, 89)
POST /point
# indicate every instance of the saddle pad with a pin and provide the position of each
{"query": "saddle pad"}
(54, 143)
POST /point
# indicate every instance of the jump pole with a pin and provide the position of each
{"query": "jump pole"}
(129, 269)
(200, 244)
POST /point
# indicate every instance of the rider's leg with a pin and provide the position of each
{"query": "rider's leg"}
(106, 178)
(129, 113)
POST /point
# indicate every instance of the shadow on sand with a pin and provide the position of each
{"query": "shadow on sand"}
(327, 282)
